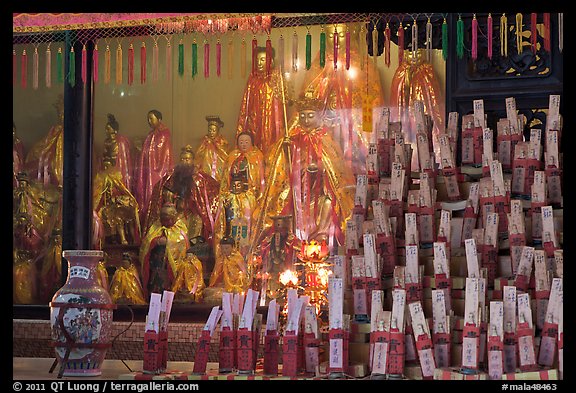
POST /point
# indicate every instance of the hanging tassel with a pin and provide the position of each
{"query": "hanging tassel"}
(460, 37)
(48, 67)
(281, 57)
(59, 67)
(230, 58)
(375, 44)
(295, 52)
(322, 48)
(14, 62)
(119, 64)
(269, 56)
(143, 60)
(194, 58)
(519, 47)
(363, 52)
(35, 69)
(168, 61)
(547, 32)
(218, 58)
(428, 41)
(95, 63)
(490, 36)
(72, 70)
(387, 38)
(474, 38)
(560, 31)
(533, 31)
(243, 58)
(206, 59)
(84, 65)
(254, 59)
(504, 35)
(336, 43)
(347, 48)
(155, 61)
(308, 50)
(181, 58)
(23, 69)
(414, 39)
(400, 43)
(444, 40)
(107, 70)
(130, 64)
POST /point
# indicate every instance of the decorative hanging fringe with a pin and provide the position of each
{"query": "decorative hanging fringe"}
(347, 48)
(14, 63)
(474, 38)
(460, 37)
(168, 61)
(444, 40)
(336, 43)
(59, 67)
(23, 69)
(130, 64)
(363, 53)
(206, 59)
(295, 52)
(254, 59)
(428, 41)
(504, 35)
(400, 43)
(155, 61)
(181, 58)
(35, 69)
(230, 58)
(218, 58)
(533, 31)
(281, 57)
(322, 48)
(387, 35)
(375, 45)
(84, 65)
(107, 70)
(414, 39)
(560, 31)
(490, 36)
(95, 63)
(194, 58)
(48, 75)
(72, 70)
(308, 50)
(269, 56)
(119, 64)
(547, 32)
(243, 57)
(519, 47)
(143, 60)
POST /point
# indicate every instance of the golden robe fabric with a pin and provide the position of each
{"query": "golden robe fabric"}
(189, 281)
(211, 156)
(24, 279)
(51, 272)
(122, 148)
(18, 159)
(125, 287)
(231, 272)
(29, 198)
(261, 110)
(46, 158)
(252, 163)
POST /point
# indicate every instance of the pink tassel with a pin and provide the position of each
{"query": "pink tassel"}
(95, 64)
(218, 57)
(268, 56)
(84, 72)
(206, 59)
(155, 62)
(48, 68)
(35, 69)
(24, 68)
(400, 43)
(347, 49)
(490, 35)
(243, 58)
(533, 31)
(143, 63)
(547, 31)
(254, 60)
(168, 61)
(474, 38)
(130, 65)
(387, 45)
(336, 39)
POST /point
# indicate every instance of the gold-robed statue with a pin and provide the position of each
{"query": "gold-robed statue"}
(212, 153)
(126, 287)
(188, 284)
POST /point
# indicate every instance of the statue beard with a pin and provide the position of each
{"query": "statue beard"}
(182, 180)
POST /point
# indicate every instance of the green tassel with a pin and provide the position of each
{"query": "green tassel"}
(445, 40)
(181, 59)
(460, 38)
(72, 73)
(308, 51)
(322, 49)
(194, 59)
(59, 73)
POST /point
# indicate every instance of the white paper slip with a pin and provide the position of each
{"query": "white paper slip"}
(166, 308)
(376, 308)
(479, 116)
(335, 303)
(471, 302)
(336, 355)
(370, 256)
(153, 319)
(548, 232)
(440, 259)
(411, 273)
(472, 258)
(361, 191)
(398, 309)
(272, 316)
(439, 317)
(509, 299)
(496, 327)
(445, 227)
(213, 319)
(553, 117)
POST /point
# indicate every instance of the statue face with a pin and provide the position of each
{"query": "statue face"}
(213, 130)
(226, 249)
(261, 61)
(244, 143)
(153, 121)
(110, 131)
(186, 158)
(308, 118)
(236, 187)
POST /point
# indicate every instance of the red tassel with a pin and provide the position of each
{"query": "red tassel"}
(336, 39)
(206, 59)
(490, 34)
(268, 56)
(24, 68)
(218, 57)
(254, 60)
(387, 36)
(143, 63)
(347, 49)
(130, 65)
(533, 30)
(14, 73)
(95, 64)
(84, 72)
(474, 38)
(400, 44)
(547, 31)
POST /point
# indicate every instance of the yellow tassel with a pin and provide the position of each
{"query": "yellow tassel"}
(504, 35)
(107, 65)
(230, 58)
(519, 32)
(119, 65)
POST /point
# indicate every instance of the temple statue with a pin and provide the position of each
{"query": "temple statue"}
(261, 111)
(231, 270)
(188, 284)
(119, 148)
(50, 277)
(213, 150)
(126, 287)
(18, 156)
